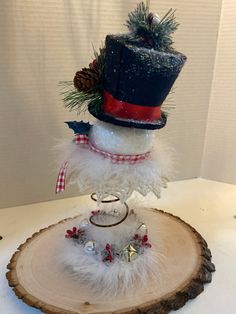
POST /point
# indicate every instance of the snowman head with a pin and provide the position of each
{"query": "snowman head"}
(116, 139)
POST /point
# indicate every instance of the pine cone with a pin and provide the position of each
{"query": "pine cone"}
(87, 79)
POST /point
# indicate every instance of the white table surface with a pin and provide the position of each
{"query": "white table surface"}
(207, 205)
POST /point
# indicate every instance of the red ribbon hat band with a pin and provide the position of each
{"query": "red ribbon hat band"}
(125, 110)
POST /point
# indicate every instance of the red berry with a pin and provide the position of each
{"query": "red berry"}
(145, 238)
(108, 248)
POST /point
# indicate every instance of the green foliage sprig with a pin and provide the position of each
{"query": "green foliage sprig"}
(145, 26)
(79, 100)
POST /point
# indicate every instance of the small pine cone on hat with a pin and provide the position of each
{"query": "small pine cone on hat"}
(87, 79)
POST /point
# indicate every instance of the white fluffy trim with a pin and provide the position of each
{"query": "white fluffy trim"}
(113, 279)
(94, 173)
(118, 276)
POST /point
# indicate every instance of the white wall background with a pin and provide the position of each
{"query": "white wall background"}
(44, 42)
(219, 159)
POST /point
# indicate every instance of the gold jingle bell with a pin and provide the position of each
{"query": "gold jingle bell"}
(129, 253)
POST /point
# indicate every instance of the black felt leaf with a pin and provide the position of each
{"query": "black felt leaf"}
(79, 127)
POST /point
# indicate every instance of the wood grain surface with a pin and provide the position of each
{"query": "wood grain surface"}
(40, 280)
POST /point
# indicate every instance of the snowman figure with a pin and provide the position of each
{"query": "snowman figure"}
(116, 155)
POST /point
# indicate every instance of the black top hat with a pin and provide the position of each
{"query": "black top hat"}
(136, 82)
(129, 80)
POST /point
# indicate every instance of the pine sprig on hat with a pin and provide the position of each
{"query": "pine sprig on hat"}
(86, 87)
(148, 28)
(78, 100)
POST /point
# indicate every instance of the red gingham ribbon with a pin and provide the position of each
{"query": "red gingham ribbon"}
(81, 139)
(120, 159)
(60, 185)
(115, 158)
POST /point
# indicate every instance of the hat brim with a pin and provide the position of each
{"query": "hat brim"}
(156, 124)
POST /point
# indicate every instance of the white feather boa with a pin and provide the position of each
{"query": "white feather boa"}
(94, 173)
(119, 276)
(114, 279)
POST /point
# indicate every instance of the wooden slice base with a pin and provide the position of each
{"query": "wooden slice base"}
(40, 280)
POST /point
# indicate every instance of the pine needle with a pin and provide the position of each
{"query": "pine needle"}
(79, 100)
(157, 35)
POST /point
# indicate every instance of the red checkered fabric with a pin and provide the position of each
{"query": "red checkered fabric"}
(60, 185)
(115, 158)
(121, 159)
(81, 139)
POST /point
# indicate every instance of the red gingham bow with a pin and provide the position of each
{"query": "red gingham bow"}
(81, 139)
(60, 185)
(61, 180)
(115, 158)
